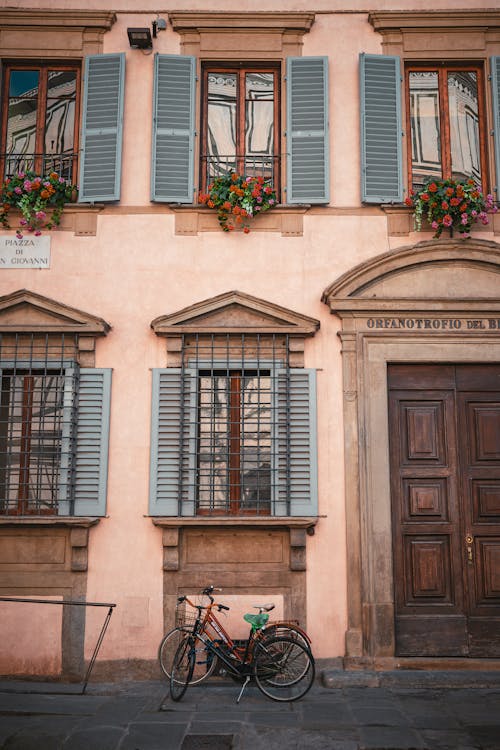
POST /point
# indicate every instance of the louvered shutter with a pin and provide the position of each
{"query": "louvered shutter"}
(296, 493)
(65, 479)
(91, 443)
(102, 127)
(173, 129)
(173, 443)
(495, 85)
(308, 179)
(381, 130)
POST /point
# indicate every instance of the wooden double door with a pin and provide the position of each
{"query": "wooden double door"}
(444, 423)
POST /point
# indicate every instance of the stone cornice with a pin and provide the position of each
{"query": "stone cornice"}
(46, 17)
(240, 22)
(424, 19)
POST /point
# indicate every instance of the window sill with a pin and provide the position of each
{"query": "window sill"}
(80, 218)
(289, 522)
(74, 521)
(400, 222)
(287, 220)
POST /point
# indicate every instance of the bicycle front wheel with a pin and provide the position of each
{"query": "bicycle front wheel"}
(204, 663)
(283, 668)
(182, 668)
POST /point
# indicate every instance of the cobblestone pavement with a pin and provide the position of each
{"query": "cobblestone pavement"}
(341, 713)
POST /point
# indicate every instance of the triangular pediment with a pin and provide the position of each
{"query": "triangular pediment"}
(446, 274)
(235, 312)
(27, 312)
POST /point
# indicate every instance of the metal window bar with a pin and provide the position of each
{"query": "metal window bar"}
(73, 603)
(63, 164)
(38, 389)
(231, 431)
(254, 165)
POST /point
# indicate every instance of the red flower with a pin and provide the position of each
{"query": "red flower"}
(432, 187)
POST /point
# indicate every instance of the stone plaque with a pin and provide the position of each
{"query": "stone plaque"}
(28, 252)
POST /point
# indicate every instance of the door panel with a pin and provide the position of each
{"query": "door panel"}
(445, 485)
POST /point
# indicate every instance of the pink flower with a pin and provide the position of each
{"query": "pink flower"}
(27, 186)
(434, 225)
(41, 215)
(271, 201)
(18, 190)
(23, 222)
(37, 233)
(19, 235)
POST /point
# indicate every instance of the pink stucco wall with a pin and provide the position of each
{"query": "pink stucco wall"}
(136, 269)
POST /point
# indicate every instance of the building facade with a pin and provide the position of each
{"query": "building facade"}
(308, 413)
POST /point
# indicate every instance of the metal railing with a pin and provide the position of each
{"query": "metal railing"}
(256, 165)
(74, 603)
(63, 164)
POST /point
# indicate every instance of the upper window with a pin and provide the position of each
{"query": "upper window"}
(40, 123)
(240, 110)
(241, 123)
(446, 123)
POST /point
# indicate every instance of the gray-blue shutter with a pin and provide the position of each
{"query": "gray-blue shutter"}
(173, 129)
(92, 442)
(173, 443)
(495, 86)
(102, 128)
(297, 475)
(381, 129)
(308, 178)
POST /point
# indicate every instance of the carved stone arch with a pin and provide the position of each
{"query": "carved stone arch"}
(433, 302)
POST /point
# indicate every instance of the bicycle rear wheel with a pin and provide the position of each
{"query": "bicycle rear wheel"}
(279, 629)
(283, 668)
(182, 668)
(204, 663)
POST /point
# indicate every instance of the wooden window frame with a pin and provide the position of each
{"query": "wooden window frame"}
(442, 69)
(235, 422)
(241, 69)
(43, 67)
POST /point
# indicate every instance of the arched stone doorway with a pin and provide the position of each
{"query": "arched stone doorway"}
(435, 303)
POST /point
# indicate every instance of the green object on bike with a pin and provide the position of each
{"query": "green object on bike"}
(257, 621)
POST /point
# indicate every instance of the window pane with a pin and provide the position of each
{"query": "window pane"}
(213, 442)
(464, 125)
(221, 131)
(256, 442)
(31, 420)
(234, 464)
(23, 103)
(259, 124)
(425, 127)
(60, 121)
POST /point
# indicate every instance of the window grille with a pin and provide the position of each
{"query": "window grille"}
(234, 389)
(39, 382)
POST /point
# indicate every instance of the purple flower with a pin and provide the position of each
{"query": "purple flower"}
(62, 180)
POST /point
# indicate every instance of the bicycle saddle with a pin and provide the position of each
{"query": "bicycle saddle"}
(264, 607)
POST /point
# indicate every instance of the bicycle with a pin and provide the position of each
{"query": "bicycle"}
(205, 662)
(282, 667)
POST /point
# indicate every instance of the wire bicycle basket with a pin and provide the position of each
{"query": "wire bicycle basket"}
(185, 616)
